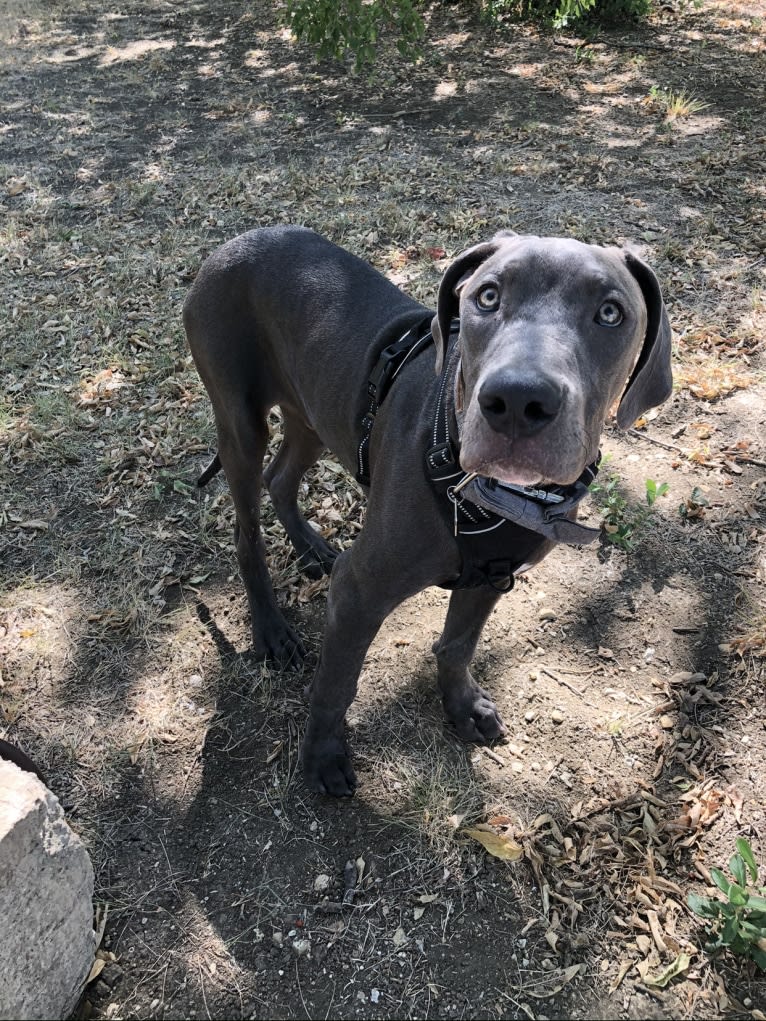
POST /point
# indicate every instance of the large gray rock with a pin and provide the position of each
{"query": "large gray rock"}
(47, 943)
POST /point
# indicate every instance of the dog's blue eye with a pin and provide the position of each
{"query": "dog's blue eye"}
(610, 314)
(488, 298)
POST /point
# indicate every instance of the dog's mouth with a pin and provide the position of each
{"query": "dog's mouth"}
(516, 469)
(512, 474)
(551, 457)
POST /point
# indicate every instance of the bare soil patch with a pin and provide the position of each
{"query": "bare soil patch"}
(136, 138)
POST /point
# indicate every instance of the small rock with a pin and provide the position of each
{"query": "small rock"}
(557, 716)
(277, 938)
(546, 614)
(322, 882)
(302, 947)
(374, 995)
(399, 937)
(667, 722)
(112, 975)
(530, 715)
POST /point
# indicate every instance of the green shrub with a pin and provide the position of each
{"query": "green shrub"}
(337, 28)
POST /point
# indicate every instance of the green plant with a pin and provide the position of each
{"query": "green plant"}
(623, 520)
(737, 924)
(337, 28)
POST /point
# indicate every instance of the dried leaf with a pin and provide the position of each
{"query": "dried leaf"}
(95, 970)
(554, 983)
(667, 975)
(624, 968)
(498, 845)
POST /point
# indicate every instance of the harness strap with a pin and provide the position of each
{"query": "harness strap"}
(489, 518)
(391, 361)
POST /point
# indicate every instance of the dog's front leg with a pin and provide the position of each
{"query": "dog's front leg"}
(357, 605)
(468, 706)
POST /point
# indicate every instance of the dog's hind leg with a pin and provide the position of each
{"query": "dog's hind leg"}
(243, 433)
(468, 706)
(298, 451)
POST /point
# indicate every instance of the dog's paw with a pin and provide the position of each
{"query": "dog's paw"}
(276, 642)
(475, 716)
(317, 560)
(327, 766)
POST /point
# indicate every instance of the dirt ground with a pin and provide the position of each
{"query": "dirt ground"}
(138, 136)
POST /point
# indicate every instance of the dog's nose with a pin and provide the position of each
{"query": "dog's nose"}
(519, 405)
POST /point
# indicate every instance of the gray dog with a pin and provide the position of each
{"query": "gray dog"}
(473, 474)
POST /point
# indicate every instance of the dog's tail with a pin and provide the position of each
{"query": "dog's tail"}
(212, 469)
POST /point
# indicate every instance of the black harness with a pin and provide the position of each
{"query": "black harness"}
(498, 527)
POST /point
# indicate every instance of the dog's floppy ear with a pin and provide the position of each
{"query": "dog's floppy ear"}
(651, 381)
(449, 293)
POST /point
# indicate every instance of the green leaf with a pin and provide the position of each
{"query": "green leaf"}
(729, 931)
(720, 880)
(737, 895)
(744, 848)
(751, 932)
(759, 956)
(705, 907)
(737, 869)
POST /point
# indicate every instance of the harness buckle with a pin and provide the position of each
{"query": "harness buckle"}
(441, 456)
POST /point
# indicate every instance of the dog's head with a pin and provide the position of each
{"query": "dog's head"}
(552, 332)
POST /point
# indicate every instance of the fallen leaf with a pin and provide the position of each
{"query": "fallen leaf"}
(667, 975)
(623, 971)
(96, 968)
(554, 983)
(497, 845)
